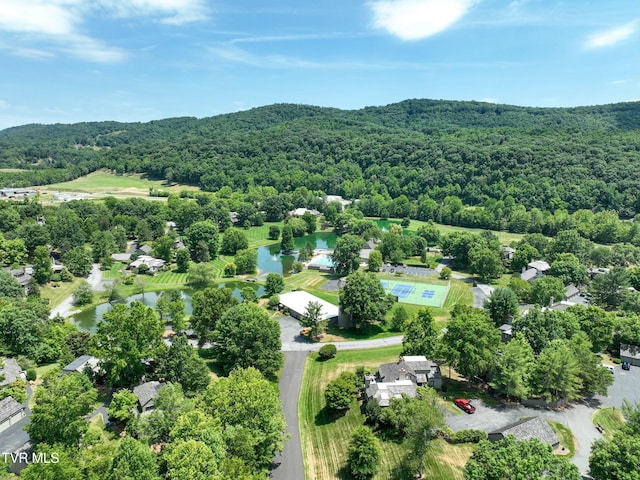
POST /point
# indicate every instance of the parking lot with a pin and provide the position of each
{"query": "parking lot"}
(575, 416)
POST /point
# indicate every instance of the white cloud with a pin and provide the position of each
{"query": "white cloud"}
(3, 104)
(612, 36)
(417, 19)
(42, 28)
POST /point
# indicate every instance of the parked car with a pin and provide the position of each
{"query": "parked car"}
(626, 365)
(609, 367)
(465, 405)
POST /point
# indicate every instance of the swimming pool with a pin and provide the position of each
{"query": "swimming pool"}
(322, 261)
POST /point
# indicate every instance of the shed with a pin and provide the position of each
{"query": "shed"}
(10, 413)
(525, 429)
(79, 364)
(630, 353)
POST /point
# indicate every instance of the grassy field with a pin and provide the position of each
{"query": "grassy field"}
(57, 294)
(325, 437)
(611, 420)
(259, 236)
(504, 237)
(105, 182)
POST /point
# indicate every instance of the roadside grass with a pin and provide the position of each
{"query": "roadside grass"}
(611, 420)
(103, 181)
(325, 437)
(567, 440)
(56, 295)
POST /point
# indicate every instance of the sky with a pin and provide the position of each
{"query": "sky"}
(67, 61)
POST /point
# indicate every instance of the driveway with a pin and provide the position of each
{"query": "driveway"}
(576, 416)
(65, 308)
(289, 464)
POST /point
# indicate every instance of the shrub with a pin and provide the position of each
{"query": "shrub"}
(297, 267)
(445, 273)
(230, 269)
(327, 351)
(32, 374)
(617, 361)
(274, 301)
(466, 436)
(56, 277)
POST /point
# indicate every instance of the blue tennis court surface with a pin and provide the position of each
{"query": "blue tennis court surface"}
(416, 293)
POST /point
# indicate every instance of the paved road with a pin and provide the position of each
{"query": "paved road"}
(289, 464)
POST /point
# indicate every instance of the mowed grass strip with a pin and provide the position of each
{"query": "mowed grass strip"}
(611, 419)
(325, 438)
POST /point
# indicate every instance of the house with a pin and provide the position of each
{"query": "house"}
(178, 244)
(10, 413)
(144, 250)
(153, 264)
(530, 274)
(630, 353)
(539, 265)
(80, 363)
(507, 332)
(526, 428)
(415, 368)
(571, 291)
(22, 275)
(297, 303)
(383, 392)
(298, 212)
(11, 371)
(366, 250)
(121, 257)
(337, 198)
(595, 271)
(234, 217)
(147, 393)
(507, 252)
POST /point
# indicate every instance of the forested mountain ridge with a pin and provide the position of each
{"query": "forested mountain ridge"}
(547, 158)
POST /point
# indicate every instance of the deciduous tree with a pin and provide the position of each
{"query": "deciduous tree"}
(364, 453)
(364, 300)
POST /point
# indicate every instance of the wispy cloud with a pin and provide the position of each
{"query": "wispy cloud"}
(44, 28)
(417, 19)
(3, 104)
(612, 36)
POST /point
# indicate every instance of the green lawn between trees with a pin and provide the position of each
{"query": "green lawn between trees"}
(325, 437)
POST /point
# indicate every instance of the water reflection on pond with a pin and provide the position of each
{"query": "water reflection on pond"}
(88, 319)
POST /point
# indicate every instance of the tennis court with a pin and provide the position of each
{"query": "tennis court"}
(416, 293)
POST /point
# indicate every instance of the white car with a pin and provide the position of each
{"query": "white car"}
(609, 367)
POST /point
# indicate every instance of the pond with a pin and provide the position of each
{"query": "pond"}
(270, 260)
(88, 319)
(384, 226)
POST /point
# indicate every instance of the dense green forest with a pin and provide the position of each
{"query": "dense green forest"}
(544, 158)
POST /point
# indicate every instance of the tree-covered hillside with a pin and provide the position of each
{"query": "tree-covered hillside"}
(574, 158)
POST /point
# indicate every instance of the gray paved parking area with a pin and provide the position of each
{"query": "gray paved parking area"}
(576, 416)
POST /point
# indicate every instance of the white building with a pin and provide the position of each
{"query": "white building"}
(297, 303)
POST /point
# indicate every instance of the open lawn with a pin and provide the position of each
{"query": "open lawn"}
(325, 437)
(311, 281)
(105, 182)
(504, 237)
(259, 236)
(611, 420)
(56, 294)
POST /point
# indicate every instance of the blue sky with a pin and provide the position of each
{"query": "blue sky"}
(138, 60)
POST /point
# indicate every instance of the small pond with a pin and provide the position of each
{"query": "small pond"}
(88, 319)
(270, 260)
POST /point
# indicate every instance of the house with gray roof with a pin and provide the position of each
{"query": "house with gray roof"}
(10, 413)
(147, 393)
(383, 392)
(11, 371)
(121, 257)
(153, 264)
(526, 428)
(630, 353)
(80, 363)
(415, 368)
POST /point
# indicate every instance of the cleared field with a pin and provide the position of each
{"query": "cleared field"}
(259, 236)
(504, 237)
(105, 182)
(325, 437)
(57, 294)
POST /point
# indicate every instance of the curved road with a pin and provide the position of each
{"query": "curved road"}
(65, 308)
